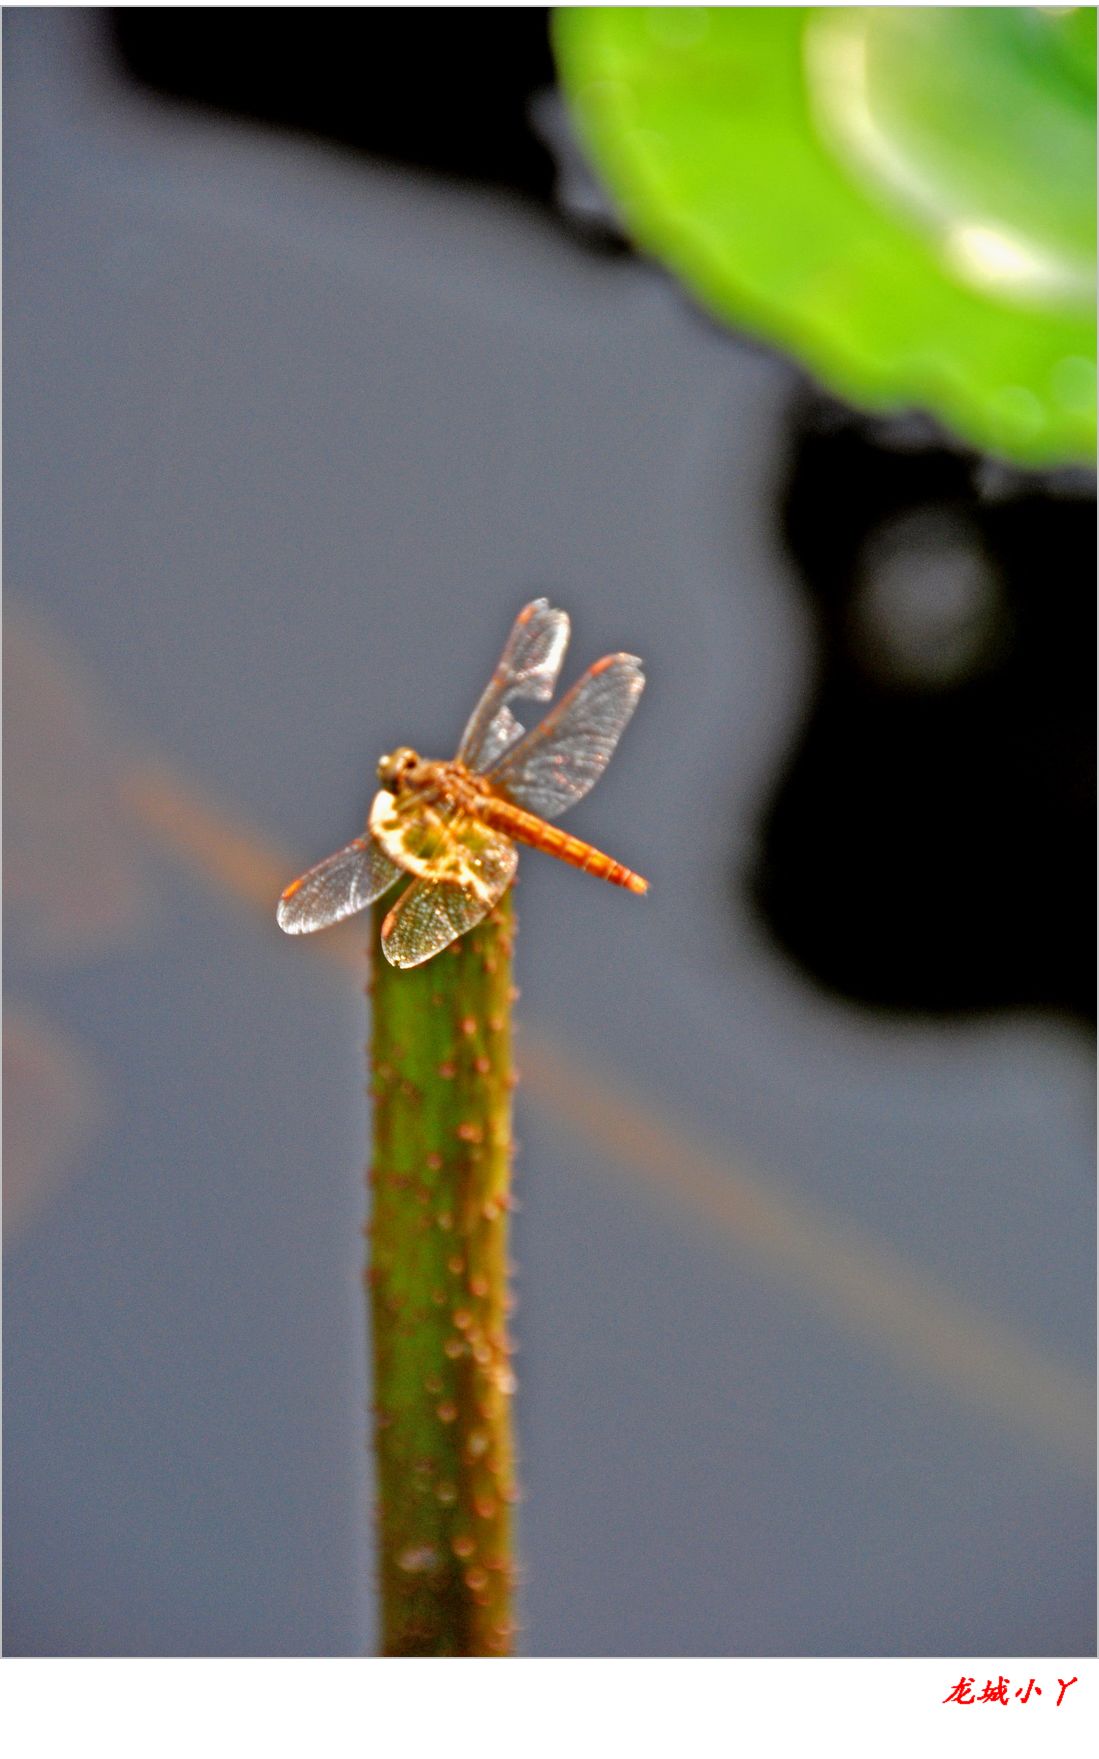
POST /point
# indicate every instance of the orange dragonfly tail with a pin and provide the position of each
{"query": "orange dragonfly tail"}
(526, 827)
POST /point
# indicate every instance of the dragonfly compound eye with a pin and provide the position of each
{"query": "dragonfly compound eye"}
(392, 770)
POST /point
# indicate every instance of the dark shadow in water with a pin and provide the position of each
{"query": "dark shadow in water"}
(930, 846)
(443, 90)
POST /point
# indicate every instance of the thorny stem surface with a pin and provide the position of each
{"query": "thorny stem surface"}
(441, 1083)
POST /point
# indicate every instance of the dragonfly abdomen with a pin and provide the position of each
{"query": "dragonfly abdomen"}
(525, 827)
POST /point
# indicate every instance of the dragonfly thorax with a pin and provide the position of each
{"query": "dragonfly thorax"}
(397, 769)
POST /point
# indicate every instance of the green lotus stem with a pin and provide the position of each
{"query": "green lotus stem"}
(441, 1083)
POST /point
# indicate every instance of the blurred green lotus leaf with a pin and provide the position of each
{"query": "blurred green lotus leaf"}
(903, 198)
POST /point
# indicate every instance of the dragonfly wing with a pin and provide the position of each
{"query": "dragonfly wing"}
(528, 667)
(426, 918)
(346, 882)
(565, 755)
(432, 913)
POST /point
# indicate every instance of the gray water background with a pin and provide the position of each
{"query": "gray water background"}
(290, 437)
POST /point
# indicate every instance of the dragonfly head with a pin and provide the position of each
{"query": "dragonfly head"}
(395, 769)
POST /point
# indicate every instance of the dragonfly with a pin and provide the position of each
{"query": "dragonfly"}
(451, 828)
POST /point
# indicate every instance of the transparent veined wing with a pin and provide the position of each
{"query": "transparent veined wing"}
(432, 913)
(346, 882)
(565, 755)
(529, 668)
